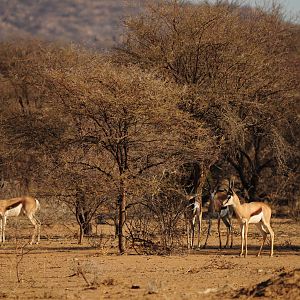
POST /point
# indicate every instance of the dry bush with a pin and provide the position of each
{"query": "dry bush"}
(237, 67)
(95, 128)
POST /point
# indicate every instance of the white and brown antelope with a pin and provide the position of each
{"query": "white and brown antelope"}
(224, 213)
(193, 215)
(258, 213)
(14, 207)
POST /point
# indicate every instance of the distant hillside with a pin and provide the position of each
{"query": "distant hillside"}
(89, 22)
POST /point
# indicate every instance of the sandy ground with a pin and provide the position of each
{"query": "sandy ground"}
(58, 268)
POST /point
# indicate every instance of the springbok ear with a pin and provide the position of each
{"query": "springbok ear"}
(231, 183)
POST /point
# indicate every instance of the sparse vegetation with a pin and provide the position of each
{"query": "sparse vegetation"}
(194, 93)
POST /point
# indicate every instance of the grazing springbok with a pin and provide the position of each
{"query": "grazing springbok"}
(193, 215)
(13, 208)
(217, 210)
(258, 213)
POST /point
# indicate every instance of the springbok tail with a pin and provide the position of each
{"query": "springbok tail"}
(38, 206)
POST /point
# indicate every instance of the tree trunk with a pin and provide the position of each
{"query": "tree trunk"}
(85, 227)
(80, 235)
(122, 217)
(253, 187)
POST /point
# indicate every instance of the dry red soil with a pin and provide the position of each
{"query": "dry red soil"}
(58, 268)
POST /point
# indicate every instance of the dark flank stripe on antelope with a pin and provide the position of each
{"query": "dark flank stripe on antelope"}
(14, 205)
(257, 212)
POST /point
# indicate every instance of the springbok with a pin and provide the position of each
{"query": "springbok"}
(13, 208)
(258, 213)
(193, 215)
(224, 213)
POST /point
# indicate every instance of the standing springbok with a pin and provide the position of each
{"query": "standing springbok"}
(258, 213)
(224, 213)
(193, 215)
(13, 208)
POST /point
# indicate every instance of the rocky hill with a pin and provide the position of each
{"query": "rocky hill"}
(96, 23)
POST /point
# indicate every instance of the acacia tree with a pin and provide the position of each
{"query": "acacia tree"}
(96, 118)
(33, 128)
(85, 192)
(123, 122)
(25, 136)
(234, 63)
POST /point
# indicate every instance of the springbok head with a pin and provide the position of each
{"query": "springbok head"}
(223, 192)
(229, 195)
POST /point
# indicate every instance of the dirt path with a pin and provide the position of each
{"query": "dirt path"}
(55, 269)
